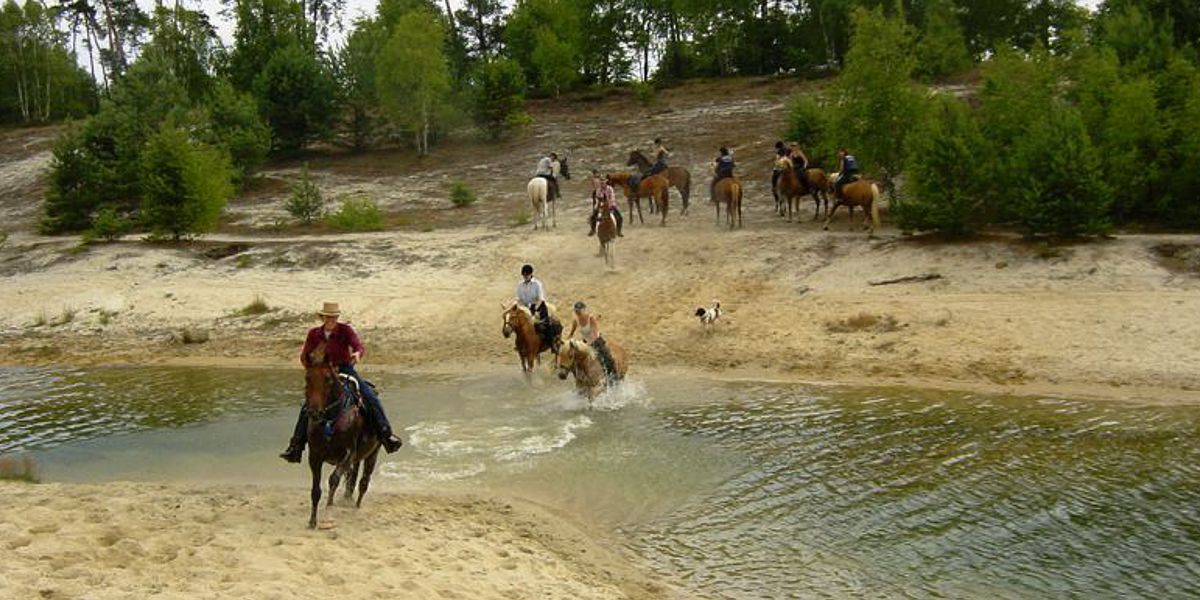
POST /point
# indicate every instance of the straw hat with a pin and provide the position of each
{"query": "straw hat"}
(330, 309)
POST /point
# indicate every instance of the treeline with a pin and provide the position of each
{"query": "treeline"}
(1095, 127)
(182, 119)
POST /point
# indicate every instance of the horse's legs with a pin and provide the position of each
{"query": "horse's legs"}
(554, 213)
(663, 199)
(368, 468)
(829, 217)
(351, 479)
(816, 205)
(314, 465)
(335, 478)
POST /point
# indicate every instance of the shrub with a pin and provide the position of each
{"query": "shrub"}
(257, 307)
(108, 225)
(807, 124)
(357, 214)
(498, 98)
(461, 195)
(645, 92)
(305, 202)
(193, 336)
(185, 184)
(942, 192)
(522, 217)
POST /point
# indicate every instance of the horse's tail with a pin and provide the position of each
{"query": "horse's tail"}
(875, 205)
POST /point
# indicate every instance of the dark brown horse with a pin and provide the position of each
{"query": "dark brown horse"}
(519, 321)
(729, 191)
(338, 432)
(679, 177)
(653, 187)
(606, 232)
(789, 189)
(862, 193)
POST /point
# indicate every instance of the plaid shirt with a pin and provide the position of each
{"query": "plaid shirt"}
(339, 344)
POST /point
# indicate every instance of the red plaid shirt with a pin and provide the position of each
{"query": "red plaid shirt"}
(340, 343)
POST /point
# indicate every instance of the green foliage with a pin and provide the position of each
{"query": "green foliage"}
(357, 214)
(305, 202)
(109, 225)
(808, 124)
(295, 94)
(236, 127)
(413, 77)
(40, 80)
(461, 195)
(944, 178)
(498, 97)
(544, 37)
(875, 102)
(185, 184)
(75, 173)
(645, 92)
(264, 28)
(353, 69)
(941, 48)
(258, 306)
(555, 61)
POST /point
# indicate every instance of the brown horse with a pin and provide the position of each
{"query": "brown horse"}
(338, 432)
(790, 188)
(579, 359)
(606, 232)
(653, 187)
(862, 193)
(729, 191)
(679, 177)
(530, 346)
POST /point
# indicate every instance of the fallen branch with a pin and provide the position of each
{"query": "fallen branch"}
(909, 279)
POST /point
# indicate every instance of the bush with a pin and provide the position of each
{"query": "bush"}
(236, 127)
(357, 214)
(185, 184)
(75, 175)
(645, 92)
(295, 94)
(942, 192)
(108, 225)
(807, 124)
(305, 202)
(461, 195)
(498, 97)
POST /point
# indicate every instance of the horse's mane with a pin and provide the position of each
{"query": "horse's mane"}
(583, 348)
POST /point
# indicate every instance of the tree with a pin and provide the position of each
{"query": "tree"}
(39, 80)
(498, 97)
(482, 27)
(185, 184)
(264, 28)
(353, 70)
(296, 96)
(412, 76)
(941, 48)
(234, 125)
(544, 36)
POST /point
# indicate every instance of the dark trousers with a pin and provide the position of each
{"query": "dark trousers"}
(552, 187)
(374, 409)
(842, 180)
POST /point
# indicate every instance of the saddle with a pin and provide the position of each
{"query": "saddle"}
(333, 417)
(634, 180)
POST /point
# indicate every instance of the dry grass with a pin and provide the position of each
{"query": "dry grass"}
(863, 322)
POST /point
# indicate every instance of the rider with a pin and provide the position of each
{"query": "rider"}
(342, 349)
(661, 153)
(602, 195)
(799, 162)
(722, 168)
(532, 294)
(780, 152)
(589, 329)
(847, 170)
(547, 168)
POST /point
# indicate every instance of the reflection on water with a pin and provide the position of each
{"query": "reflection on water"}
(741, 490)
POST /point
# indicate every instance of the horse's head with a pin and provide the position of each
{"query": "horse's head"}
(515, 317)
(564, 169)
(783, 162)
(319, 387)
(568, 355)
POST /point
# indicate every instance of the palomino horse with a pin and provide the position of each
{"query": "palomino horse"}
(542, 201)
(338, 432)
(729, 191)
(790, 188)
(858, 193)
(579, 359)
(519, 321)
(606, 232)
(653, 187)
(679, 177)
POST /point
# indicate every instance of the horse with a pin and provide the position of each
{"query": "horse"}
(540, 198)
(579, 359)
(654, 187)
(529, 345)
(791, 188)
(860, 192)
(729, 190)
(338, 432)
(606, 232)
(678, 177)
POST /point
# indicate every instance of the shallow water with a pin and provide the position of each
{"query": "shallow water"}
(741, 490)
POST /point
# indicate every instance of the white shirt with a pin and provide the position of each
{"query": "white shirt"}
(529, 292)
(546, 167)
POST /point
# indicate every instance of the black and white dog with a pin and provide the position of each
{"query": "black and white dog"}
(708, 316)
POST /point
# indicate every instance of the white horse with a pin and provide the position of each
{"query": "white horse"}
(539, 198)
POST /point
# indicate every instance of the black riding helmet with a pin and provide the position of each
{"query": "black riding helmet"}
(527, 270)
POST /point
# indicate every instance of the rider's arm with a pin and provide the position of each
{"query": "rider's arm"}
(595, 326)
(355, 344)
(541, 292)
(574, 324)
(310, 342)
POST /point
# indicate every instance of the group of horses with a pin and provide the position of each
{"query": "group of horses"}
(571, 357)
(788, 192)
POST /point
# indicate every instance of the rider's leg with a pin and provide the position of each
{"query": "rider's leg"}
(383, 429)
(620, 222)
(295, 447)
(592, 221)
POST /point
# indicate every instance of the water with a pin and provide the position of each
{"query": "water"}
(739, 490)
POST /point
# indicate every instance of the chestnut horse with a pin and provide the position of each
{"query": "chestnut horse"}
(729, 191)
(519, 321)
(790, 188)
(679, 177)
(653, 187)
(579, 359)
(606, 232)
(862, 193)
(338, 432)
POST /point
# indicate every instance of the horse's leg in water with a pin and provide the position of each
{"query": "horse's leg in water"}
(367, 468)
(314, 465)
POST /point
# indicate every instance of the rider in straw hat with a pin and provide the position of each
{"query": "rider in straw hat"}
(342, 349)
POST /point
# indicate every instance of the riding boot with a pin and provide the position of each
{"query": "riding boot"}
(620, 222)
(295, 447)
(375, 414)
(592, 222)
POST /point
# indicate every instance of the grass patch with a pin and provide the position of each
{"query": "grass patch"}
(21, 468)
(357, 214)
(522, 217)
(3, 237)
(67, 315)
(40, 320)
(256, 307)
(863, 322)
(244, 262)
(193, 336)
(105, 316)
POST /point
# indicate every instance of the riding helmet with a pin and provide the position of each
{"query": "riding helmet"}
(527, 270)
(580, 305)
